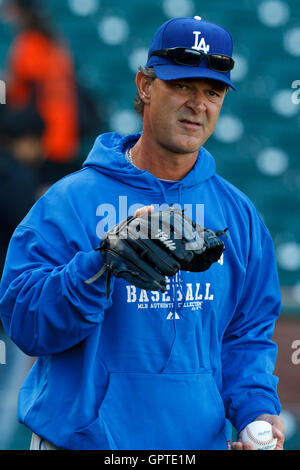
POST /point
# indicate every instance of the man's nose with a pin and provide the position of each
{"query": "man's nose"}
(197, 102)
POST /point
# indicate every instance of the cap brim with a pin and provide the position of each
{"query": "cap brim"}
(176, 72)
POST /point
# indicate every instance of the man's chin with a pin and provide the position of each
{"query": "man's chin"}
(190, 145)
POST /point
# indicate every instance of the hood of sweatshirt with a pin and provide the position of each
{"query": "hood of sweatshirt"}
(107, 156)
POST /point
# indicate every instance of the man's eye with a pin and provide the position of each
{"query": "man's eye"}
(181, 86)
(213, 93)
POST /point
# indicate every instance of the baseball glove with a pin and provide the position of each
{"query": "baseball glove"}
(143, 250)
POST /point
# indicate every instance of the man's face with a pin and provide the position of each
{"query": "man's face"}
(182, 114)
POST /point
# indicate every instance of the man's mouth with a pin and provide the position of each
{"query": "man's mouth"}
(190, 124)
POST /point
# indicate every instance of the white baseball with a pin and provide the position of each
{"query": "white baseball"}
(259, 433)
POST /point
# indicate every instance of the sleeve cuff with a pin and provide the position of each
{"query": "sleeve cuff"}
(259, 405)
(88, 264)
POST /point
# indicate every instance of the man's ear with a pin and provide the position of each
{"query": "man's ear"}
(143, 84)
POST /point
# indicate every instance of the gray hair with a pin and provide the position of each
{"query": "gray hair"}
(138, 102)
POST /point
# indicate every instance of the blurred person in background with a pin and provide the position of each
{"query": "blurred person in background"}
(21, 156)
(40, 70)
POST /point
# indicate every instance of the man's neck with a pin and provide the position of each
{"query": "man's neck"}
(162, 163)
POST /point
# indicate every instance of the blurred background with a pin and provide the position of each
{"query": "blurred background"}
(68, 74)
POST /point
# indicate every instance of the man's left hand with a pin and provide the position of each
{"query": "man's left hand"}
(277, 428)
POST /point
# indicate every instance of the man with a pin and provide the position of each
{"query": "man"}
(140, 369)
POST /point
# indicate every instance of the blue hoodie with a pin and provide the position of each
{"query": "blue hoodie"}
(141, 370)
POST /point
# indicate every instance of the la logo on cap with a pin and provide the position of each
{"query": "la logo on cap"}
(200, 44)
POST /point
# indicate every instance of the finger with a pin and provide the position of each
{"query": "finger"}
(242, 446)
(143, 211)
(280, 438)
(237, 446)
(248, 446)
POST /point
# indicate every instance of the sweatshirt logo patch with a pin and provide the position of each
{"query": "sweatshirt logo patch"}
(178, 295)
(172, 315)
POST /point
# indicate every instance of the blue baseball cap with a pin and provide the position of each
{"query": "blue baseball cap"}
(193, 33)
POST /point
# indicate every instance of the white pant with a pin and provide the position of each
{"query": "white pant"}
(38, 443)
